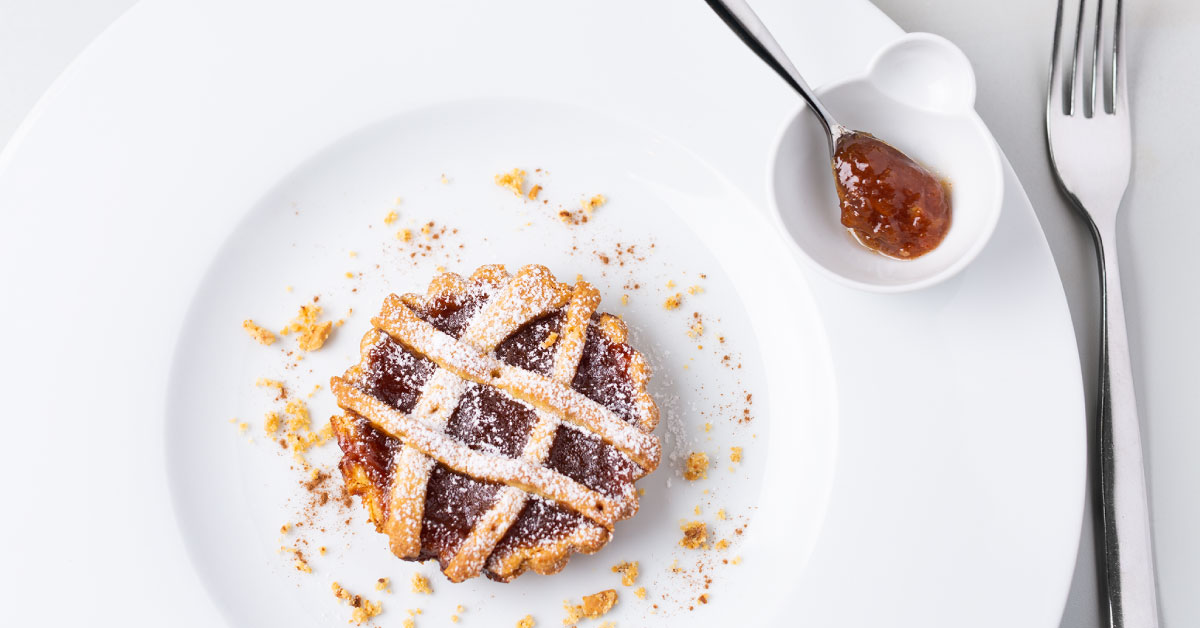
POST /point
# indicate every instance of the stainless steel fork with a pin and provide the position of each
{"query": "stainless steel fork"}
(1088, 131)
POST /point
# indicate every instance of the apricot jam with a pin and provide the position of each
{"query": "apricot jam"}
(890, 203)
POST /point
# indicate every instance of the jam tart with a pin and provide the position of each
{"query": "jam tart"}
(496, 423)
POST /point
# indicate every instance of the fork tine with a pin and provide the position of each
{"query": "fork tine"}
(1057, 86)
(1075, 86)
(1097, 80)
(1119, 103)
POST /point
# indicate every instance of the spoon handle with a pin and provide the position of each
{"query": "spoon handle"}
(742, 20)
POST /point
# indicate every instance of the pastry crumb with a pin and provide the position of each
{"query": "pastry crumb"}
(383, 584)
(695, 534)
(721, 515)
(420, 584)
(695, 290)
(624, 299)
(591, 204)
(628, 571)
(404, 235)
(673, 301)
(391, 217)
(735, 454)
(364, 609)
(584, 213)
(263, 336)
(640, 592)
(703, 599)
(526, 622)
(514, 181)
(264, 382)
(313, 334)
(551, 338)
(593, 606)
(533, 192)
(696, 466)
(722, 544)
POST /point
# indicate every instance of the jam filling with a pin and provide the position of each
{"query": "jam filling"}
(527, 348)
(453, 504)
(603, 374)
(491, 421)
(591, 462)
(396, 374)
(369, 447)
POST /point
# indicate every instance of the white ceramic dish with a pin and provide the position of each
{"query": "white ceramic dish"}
(918, 94)
(123, 194)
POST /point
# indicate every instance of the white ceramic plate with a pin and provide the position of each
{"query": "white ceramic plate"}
(956, 486)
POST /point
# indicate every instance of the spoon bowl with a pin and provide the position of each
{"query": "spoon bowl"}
(918, 95)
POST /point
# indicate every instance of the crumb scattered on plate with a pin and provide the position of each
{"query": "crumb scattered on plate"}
(363, 609)
(628, 571)
(263, 336)
(593, 606)
(514, 181)
(312, 332)
(696, 466)
(420, 584)
(695, 534)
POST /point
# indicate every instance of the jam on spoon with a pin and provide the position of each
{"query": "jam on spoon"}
(889, 202)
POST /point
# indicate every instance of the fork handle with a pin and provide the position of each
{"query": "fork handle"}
(1128, 553)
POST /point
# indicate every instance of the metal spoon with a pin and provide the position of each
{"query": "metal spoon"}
(745, 23)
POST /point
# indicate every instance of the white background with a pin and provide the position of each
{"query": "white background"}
(1009, 44)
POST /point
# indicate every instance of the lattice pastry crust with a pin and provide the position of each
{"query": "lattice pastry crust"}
(496, 423)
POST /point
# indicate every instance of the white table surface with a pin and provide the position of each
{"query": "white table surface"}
(1009, 44)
